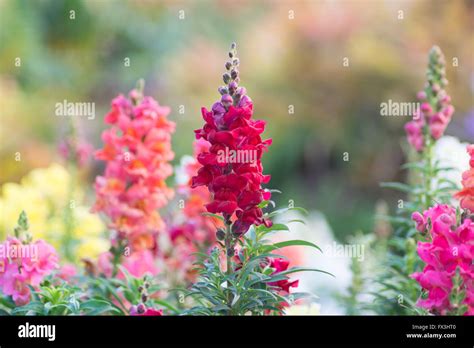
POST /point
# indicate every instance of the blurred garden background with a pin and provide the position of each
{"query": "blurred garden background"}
(316, 70)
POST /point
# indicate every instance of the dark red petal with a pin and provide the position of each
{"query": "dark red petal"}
(226, 207)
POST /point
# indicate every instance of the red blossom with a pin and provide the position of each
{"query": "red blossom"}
(281, 265)
(235, 183)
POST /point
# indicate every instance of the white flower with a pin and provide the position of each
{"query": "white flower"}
(317, 231)
(311, 309)
(450, 152)
(181, 176)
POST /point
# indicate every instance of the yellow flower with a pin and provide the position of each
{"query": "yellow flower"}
(52, 182)
(16, 198)
(44, 194)
(92, 248)
(87, 224)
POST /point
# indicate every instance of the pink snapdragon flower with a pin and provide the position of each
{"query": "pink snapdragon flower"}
(21, 268)
(437, 218)
(76, 149)
(450, 249)
(436, 110)
(191, 231)
(138, 264)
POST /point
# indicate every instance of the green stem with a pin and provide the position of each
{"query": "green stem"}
(228, 255)
(428, 175)
(228, 246)
(69, 215)
(116, 257)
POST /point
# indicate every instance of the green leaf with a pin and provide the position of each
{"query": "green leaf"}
(302, 269)
(274, 227)
(214, 216)
(98, 306)
(397, 186)
(297, 220)
(167, 305)
(284, 210)
(294, 242)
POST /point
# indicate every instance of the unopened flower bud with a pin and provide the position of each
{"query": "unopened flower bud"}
(141, 308)
(228, 65)
(144, 297)
(226, 100)
(446, 99)
(223, 90)
(230, 252)
(436, 88)
(236, 62)
(421, 95)
(140, 289)
(220, 234)
(231, 54)
(218, 108)
(233, 46)
(241, 91)
(232, 87)
(226, 78)
(426, 108)
(234, 73)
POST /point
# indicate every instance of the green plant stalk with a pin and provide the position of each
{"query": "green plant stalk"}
(228, 246)
(69, 215)
(117, 256)
(429, 173)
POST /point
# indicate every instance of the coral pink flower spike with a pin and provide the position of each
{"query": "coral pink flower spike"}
(137, 149)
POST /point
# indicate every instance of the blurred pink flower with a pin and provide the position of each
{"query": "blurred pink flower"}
(67, 271)
(436, 110)
(27, 265)
(193, 232)
(77, 150)
(138, 264)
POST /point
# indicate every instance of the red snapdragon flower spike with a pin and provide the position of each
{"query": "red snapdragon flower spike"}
(137, 149)
(231, 167)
